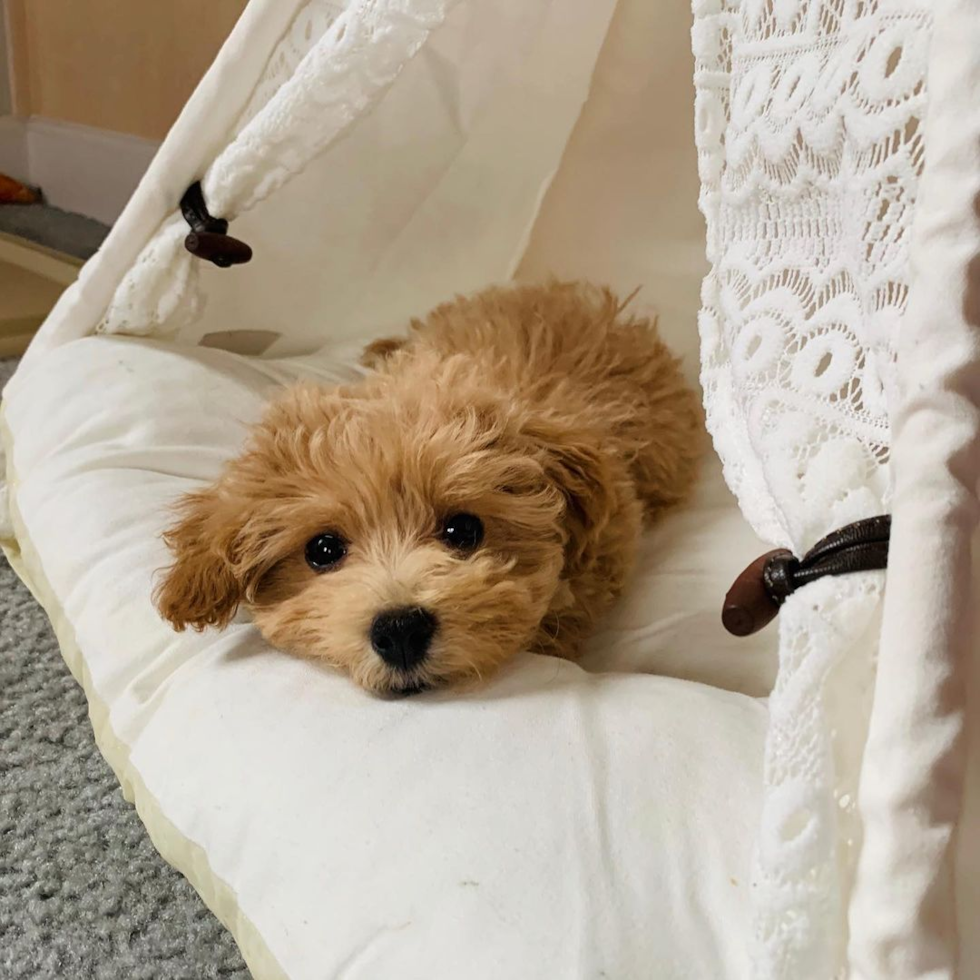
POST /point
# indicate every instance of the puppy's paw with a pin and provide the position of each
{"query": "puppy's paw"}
(378, 351)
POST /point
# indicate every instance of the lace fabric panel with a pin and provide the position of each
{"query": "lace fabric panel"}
(810, 830)
(311, 22)
(807, 119)
(810, 149)
(340, 74)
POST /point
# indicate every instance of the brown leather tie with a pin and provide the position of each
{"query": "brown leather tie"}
(756, 595)
(208, 238)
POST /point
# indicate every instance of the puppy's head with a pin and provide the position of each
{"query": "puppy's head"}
(412, 535)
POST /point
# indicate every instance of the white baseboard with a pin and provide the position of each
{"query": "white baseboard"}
(13, 148)
(89, 171)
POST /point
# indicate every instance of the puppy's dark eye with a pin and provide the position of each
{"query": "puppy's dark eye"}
(324, 551)
(462, 531)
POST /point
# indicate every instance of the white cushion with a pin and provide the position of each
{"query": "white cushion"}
(669, 619)
(558, 823)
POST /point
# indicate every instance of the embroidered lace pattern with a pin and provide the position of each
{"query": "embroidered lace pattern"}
(810, 149)
(334, 63)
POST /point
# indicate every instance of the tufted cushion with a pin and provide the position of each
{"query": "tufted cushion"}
(561, 822)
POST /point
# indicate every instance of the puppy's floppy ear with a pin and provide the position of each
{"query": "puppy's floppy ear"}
(575, 463)
(201, 588)
(230, 534)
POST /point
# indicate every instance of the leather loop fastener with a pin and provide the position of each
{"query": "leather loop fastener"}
(208, 238)
(756, 595)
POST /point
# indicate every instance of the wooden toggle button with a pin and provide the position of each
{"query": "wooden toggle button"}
(748, 605)
(222, 250)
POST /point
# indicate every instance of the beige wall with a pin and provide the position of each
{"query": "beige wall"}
(123, 65)
(5, 100)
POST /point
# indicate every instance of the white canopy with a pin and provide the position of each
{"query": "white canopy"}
(380, 155)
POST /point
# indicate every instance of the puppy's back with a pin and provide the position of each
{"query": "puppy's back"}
(571, 348)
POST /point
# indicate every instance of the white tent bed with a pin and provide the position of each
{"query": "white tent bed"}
(800, 804)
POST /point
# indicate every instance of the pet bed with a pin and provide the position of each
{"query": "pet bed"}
(602, 818)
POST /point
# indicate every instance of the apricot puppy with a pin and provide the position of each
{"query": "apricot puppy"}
(480, 492)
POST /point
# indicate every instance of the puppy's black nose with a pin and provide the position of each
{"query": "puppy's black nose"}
(401, 637)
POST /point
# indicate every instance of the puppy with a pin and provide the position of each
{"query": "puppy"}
(480, 492)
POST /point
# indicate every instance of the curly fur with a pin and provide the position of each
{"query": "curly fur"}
(559, 420)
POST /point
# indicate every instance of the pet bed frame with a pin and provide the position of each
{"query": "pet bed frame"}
(379, 155)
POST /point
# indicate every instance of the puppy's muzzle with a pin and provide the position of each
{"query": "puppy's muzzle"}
(401, 637)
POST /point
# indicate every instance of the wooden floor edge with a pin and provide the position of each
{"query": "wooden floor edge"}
(17, 333)
(39, 259)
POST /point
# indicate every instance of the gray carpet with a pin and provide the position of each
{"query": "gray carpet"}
(64, 231)
(83, 894)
